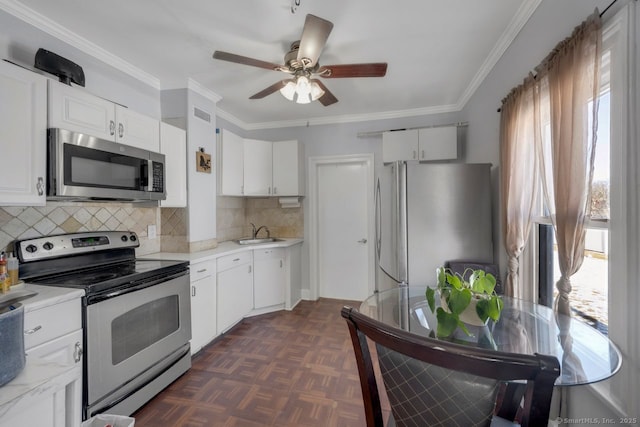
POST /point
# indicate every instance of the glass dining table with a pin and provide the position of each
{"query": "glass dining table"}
(585, 354)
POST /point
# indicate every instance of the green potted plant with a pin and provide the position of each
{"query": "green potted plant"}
(471, 301)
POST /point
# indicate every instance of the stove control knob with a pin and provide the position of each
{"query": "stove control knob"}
(31, 249)
(133, 238)
(48, 246)
(123, 238)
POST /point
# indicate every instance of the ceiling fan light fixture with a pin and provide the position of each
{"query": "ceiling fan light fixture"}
(303, 89)
(289, 90)
(316, 91)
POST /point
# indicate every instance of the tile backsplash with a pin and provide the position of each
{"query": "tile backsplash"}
(17, 223)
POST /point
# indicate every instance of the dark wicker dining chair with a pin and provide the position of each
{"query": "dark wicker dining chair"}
(431, 382)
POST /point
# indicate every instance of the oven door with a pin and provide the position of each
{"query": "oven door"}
(134, 333)
(85, 167)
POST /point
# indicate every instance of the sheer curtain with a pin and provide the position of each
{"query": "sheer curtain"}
(566, 101)
(518, 175)
(553, 114)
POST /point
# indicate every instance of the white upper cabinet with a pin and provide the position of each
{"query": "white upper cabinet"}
(23, 136)
(288, 168)
(258, 167)
(252, 167)
(77, 110)
(173, 144)
(400, 145)
(426, 144)
(438, 143)
(230, 164)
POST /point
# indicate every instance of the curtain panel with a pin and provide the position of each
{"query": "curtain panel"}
(560, 108)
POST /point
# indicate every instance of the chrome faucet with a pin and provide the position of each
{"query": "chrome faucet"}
(255, 231)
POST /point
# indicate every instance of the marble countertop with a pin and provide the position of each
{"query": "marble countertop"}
(37, 380)
(224, 248)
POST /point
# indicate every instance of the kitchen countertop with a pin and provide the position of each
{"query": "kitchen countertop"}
(223, 248)
(39, 377)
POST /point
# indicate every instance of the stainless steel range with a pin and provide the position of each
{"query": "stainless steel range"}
(136, 313)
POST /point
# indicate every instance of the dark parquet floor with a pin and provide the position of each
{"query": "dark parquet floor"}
(289, 368)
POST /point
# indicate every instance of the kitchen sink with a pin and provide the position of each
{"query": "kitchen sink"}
(257, 241)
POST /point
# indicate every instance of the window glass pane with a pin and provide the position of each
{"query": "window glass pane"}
(600, 186)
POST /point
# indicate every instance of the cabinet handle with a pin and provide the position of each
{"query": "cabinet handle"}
(242, 189)
(77, 353)
(280, 263)
(422, 154)
(201, 271)
(40, 186)
(193, 291)
(275, 190)
(414, 154)
(236, 259)
(249, 269)
(120, 130)
(33, 330)
(269, 190)
(112, 127)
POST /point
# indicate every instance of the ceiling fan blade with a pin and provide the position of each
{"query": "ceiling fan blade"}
(271, 89)
(327, 98)
(314, 36)
(375, 69)
(238, 59)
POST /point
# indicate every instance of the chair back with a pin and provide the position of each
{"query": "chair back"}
(431, 382)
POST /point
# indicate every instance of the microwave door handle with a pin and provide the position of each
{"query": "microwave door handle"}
(144, 174)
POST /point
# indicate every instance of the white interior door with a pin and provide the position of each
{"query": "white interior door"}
(343, 257)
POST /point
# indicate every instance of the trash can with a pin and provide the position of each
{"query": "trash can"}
(108, 420)
(12, 357)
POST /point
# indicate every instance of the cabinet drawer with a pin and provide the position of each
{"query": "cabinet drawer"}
(230, 261)
(200, 270)
(259, 254)
(51, 322)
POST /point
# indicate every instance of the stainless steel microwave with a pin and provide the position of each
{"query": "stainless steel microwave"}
(83, 167)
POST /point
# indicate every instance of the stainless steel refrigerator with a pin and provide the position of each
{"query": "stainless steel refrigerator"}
(427, 214)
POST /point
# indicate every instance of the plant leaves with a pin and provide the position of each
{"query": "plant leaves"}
(482, 283)
(431, 299)
(447, 322)
(454, 281)
(441, 275)
(489, 308)
(458, 300)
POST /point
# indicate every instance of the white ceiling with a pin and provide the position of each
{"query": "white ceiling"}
(437, 52)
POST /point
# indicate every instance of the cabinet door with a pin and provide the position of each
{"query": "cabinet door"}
(230, 164)
(235, 295)
(77, 110)
(400, 145)
(137, 130)
(268, 277)
(173, 144)
(203, 304)
(439, 143)
(288, 168)
(23, 136)
(257, 167)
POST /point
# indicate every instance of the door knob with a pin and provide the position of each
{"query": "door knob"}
(363, 241)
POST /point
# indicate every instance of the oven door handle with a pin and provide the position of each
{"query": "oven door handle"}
(136, 285)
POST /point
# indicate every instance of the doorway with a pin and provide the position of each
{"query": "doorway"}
(341, 226)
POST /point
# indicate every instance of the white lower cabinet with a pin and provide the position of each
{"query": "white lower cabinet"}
(53, 343)
(235, 288)
(203, 304)
(269, 277)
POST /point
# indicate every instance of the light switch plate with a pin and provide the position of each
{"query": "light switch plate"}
(151, 231)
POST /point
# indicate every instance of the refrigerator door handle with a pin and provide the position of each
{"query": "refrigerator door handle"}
(378, 219)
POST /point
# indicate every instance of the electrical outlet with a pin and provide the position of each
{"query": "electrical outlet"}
(151, 231)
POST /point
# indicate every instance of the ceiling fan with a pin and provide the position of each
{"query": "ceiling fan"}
(301, 62)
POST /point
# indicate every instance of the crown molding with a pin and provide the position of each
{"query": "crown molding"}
(508, 36)
(59, 32)
(207, 93)
(329, 120)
